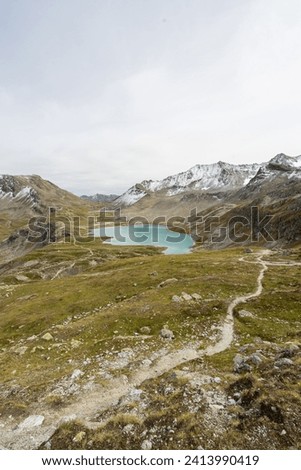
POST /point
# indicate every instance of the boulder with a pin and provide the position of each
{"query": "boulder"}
(186, 296)
(146, 445)
(240, 364)
(165, 333)
(172, 280)
(196, 296)
(283, 362)
(47, 337)
(245, 314)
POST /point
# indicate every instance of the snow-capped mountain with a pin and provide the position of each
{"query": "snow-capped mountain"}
(17, 190)
(213, 177)
(281, 166)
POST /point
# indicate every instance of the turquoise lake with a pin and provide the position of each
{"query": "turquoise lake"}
(155, 235)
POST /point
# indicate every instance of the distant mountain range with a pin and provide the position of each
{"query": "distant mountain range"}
(217, 177)
(101, 197)
(229, 190)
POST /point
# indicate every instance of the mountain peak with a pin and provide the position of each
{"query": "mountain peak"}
(219, 176)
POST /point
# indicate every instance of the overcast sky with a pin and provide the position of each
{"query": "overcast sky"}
(97, 95)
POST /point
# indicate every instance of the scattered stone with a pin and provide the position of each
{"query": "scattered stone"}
(289, 351)
(27, 297)
(196, 296)
(172, 280)
(93, 263)
(186, 296)
(75, 343)
(217, 380)
(135, 284)
(255, 358)
(240, 364)
(128, 428)
(32, 421)
(32, 338)
(154, 273)
(48, 337)
(21, 350)
(165, 333)
(135, 394)
(22, 278)
(283, 432)
(31, 263)
(283, 362)
(145, 330)
(176, 298)
(231, 402)
(76, 374)
(146, 362)
(80, 436)
(245, 314)
(146, 445)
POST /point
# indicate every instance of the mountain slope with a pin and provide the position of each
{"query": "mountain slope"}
(24, 197)
(208, 178)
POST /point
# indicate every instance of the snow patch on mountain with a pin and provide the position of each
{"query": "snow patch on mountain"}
(284, 163)
(218, 176)
(11, 191)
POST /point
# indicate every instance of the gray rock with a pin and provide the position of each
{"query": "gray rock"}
(21, 350)
(248, 250)
(22, 278)
(146, 445)
(231, 402)
(31, 263)
(176, 298)
(32, 421)
(154, 273)
(283, 362)
(167, 282)
(47, 337)
(166, 333)
(76, 374)
(240, 365)
(196, 296)
(128, 429)
(289, 351)
(186, 296)
(245, 314)
(256, 359)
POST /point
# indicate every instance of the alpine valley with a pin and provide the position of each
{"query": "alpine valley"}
(123, 347)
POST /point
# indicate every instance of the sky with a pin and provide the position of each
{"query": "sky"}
(97, 95)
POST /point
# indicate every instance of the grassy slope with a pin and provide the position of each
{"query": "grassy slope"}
(103, 305)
